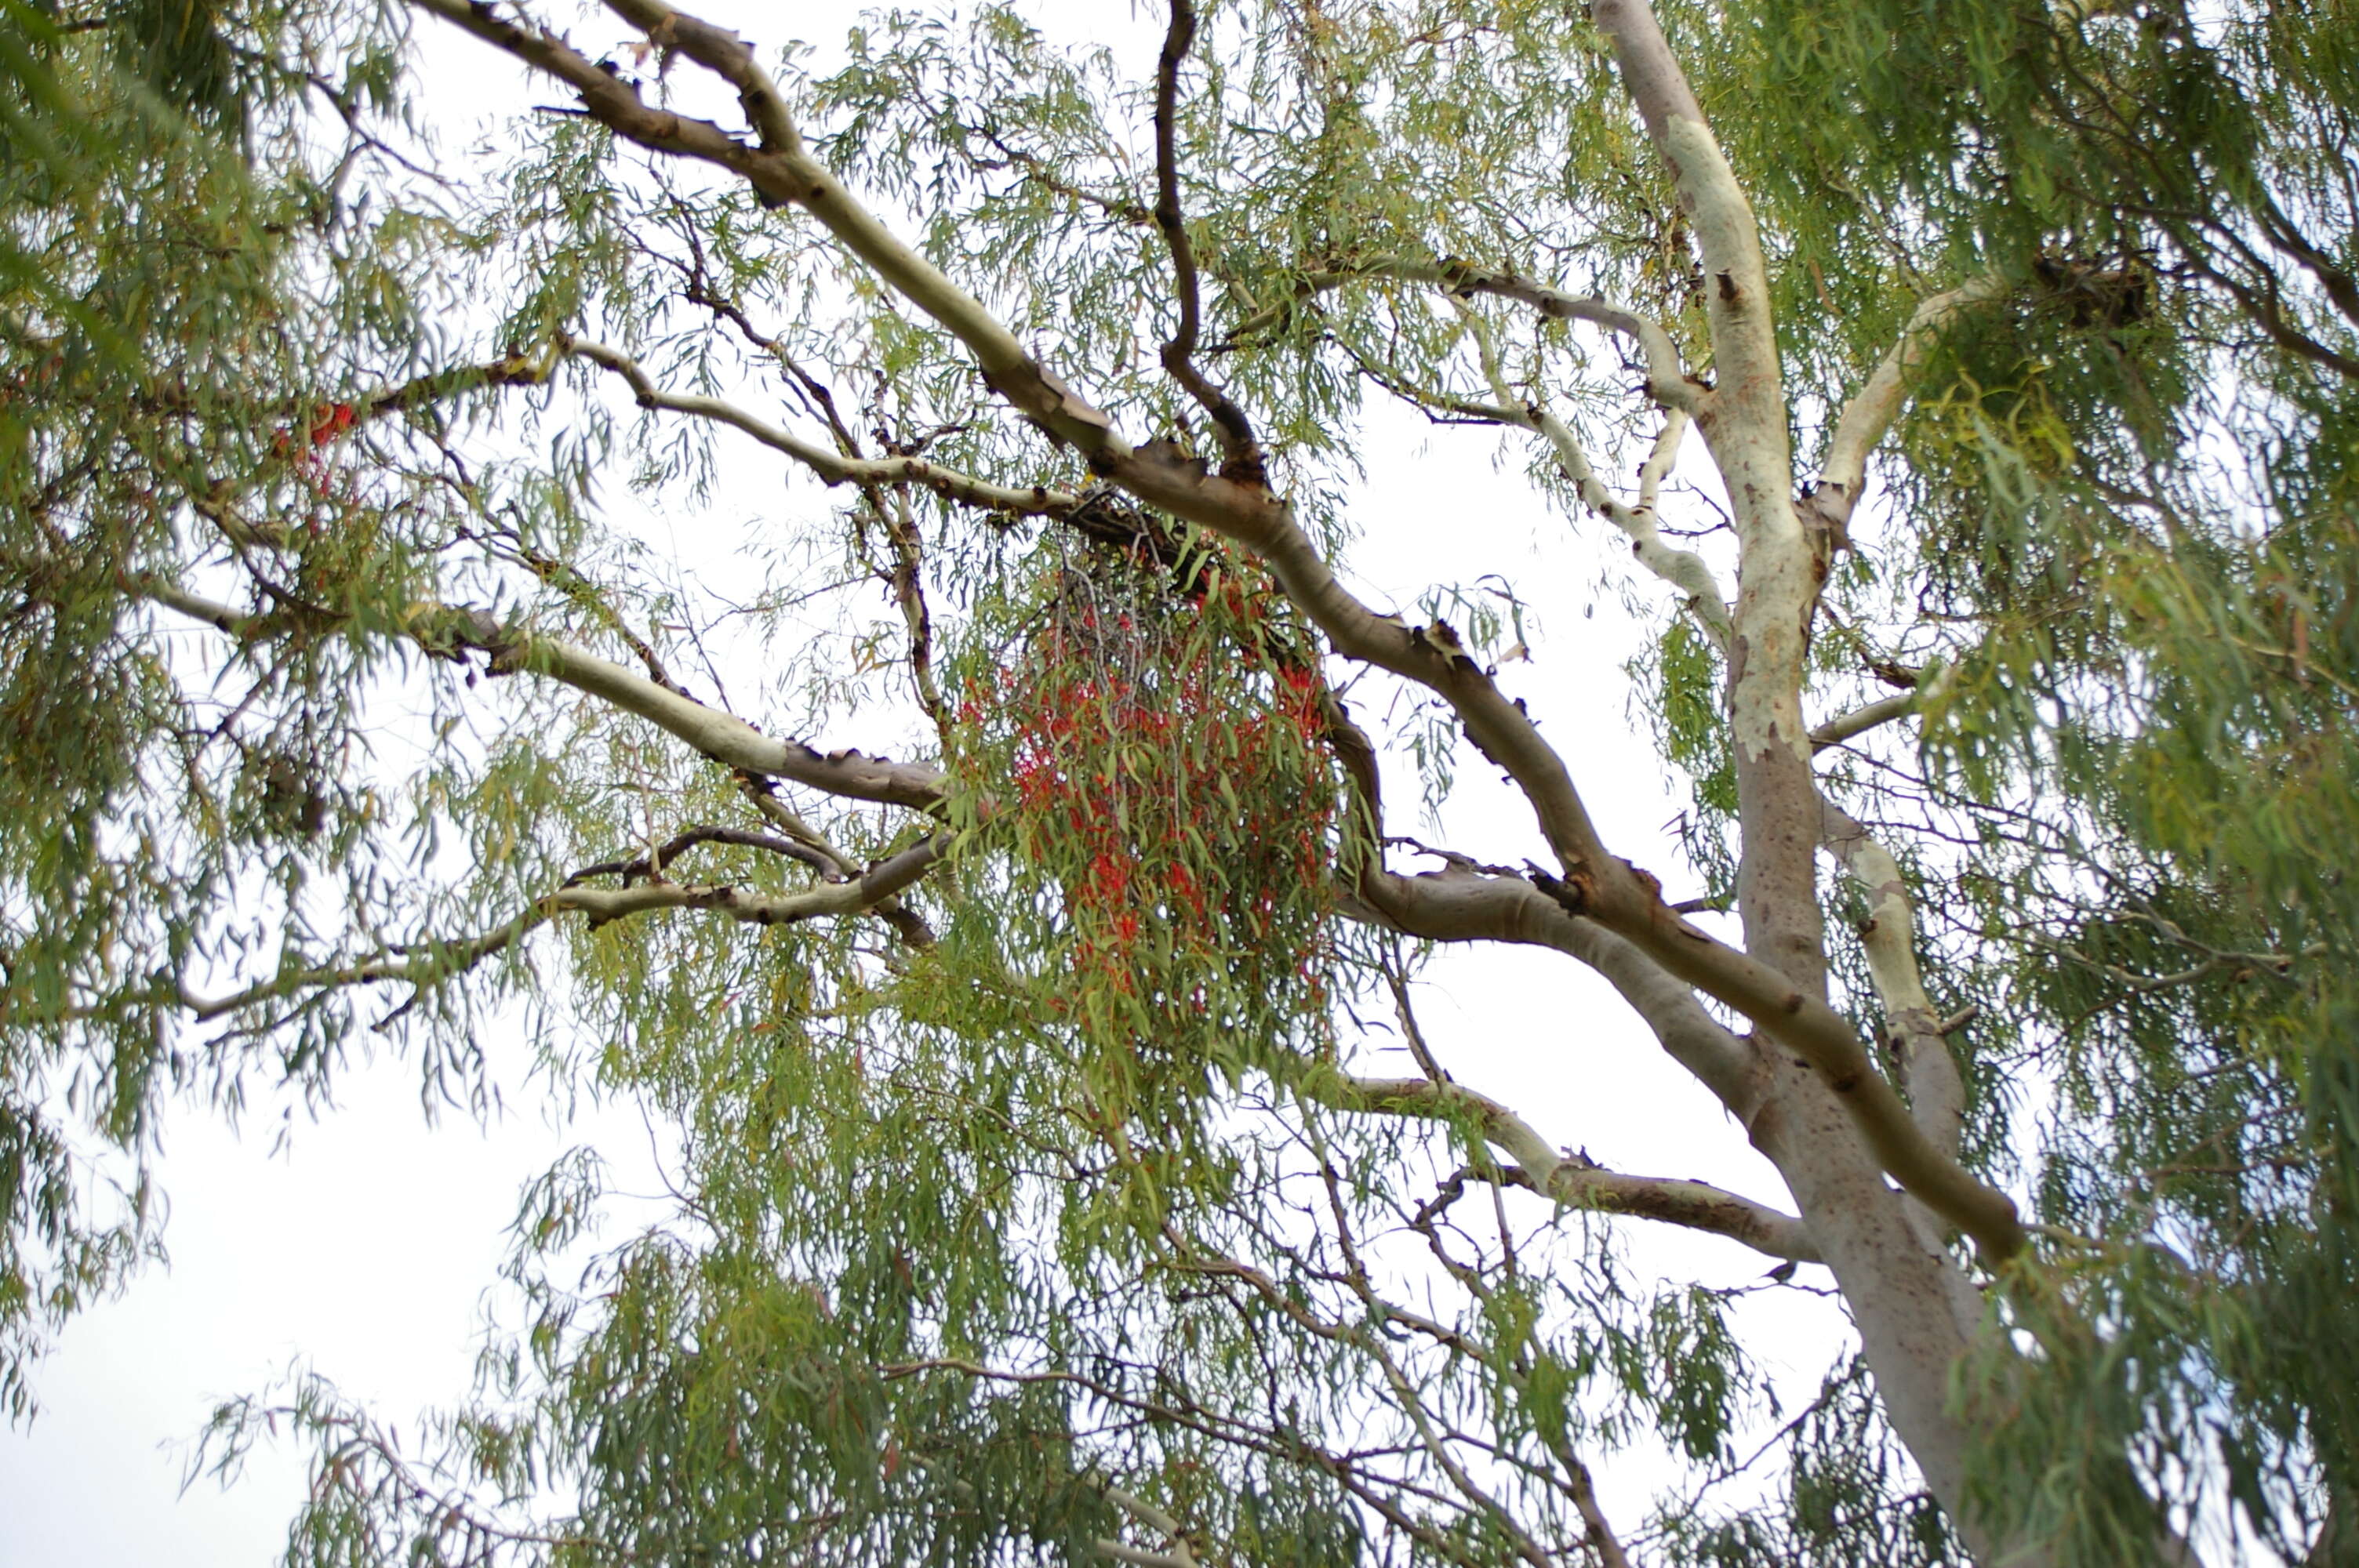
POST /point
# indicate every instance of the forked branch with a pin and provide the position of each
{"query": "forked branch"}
(1246, 463)
(1683, 569)
(1871, 411)
(833, 467)
(1571, 1179)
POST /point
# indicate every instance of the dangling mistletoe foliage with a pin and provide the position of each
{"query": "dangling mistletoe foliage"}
(1150, 724)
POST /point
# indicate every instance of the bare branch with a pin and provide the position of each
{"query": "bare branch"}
(719, 735)
(879, 883)
(426, 964)
(1871, 409)
(422, 966)
(1861, 719)
(1937, 1093)
(1469, 903)
(722, 737)
(1246, 463)
(833, 467)
(656, 862)
(1668, 382)
(1682, 569)
(1180, 1555)
(836, 866)
(1572, 1180)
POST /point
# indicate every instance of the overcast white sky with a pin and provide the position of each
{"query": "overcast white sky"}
(362, 1248)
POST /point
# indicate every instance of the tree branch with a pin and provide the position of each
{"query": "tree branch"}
(859, 896)
(1683, 569)
(1245, 463)
(1668, 382)
(658, 861)
(721, 737)
(1180, 1555)
(833, 468)
(1465, 902)
(1570, 1179)
(1869, 413)
(1861, 719)
(717, 735)
(1937, 1093)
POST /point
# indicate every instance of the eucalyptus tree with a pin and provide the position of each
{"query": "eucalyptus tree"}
(1037, 1194)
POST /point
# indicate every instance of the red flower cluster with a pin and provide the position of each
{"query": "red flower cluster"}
(299, 449)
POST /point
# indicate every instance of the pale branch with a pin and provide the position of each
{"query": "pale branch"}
(1745, 349)
(1779, 981)
(1683, 569)
(2148, 985)
(1570, 1179)
(421, 966)
(721, 737)
(424, 966)
(1937, 1092)
(1890, 936)
(1661, 459)
(1594, 883)
(880, 881)
(658, 861)
(1871, 411)
(1182, 1554)
(1468, 903)
(832, 467)
(805, 847)
(1141, 1557)
(2277, 963)
(1865, 717)
(1247, 514)
(222, 617)
(1668, 382)
(1244, 454)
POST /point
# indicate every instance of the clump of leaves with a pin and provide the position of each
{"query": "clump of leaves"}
(1156, 723)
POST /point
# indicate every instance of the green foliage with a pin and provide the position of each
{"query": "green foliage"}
(1852, 1497)
(1039, 1207)
(1148, 742)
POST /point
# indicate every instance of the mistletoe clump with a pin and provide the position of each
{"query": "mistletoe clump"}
(1171, 801)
